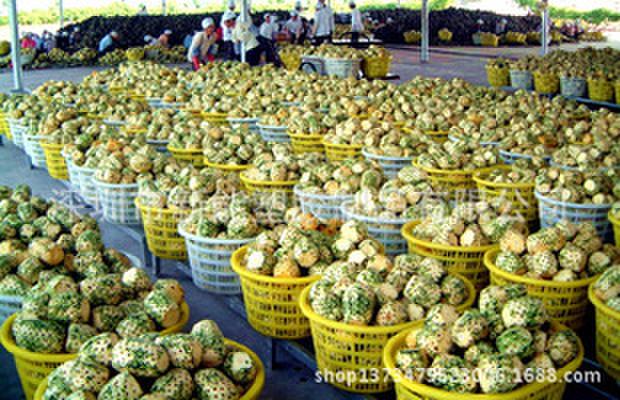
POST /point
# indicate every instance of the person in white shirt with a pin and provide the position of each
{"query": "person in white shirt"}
(202, 49)
(266, 38)
(150, 40)
(294, 27)
(228, 25)
(324, 23)
(242, 34)
(357, 25)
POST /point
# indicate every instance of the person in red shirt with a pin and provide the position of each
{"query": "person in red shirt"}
(28, 42)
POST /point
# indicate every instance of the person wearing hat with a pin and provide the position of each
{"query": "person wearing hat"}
(246, 39)
(109, 43)
(294, 27)
(227, 25)
(266, 33)
(150, 40)
(500, 26)
(357, 25)
(164, 38)
(324, 23)
(202, 49)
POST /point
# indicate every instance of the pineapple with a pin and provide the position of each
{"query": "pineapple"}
(103, 289)
(211, 384)
(136, 279)
(469, 328)
(135, 325)
(106, 318)
(184, 350)
(286, 268)
(140, 357)
(433, 340)
(412, 363)
(510, 262)
(543, 264)
(87, 376)
(122, 387)
(474, 352)
(513, 241)
(68, 307)
(516, 341)
(422, 291)
(77, 335)
(563, 347)
(37, 335)
(82, 395)
(98, 349)
(608, 285)
(358, 303)
(240, 367)
(598, 262)
(175, 384)
(441, 316)
(528, 312)
(212, 340)
(162, 307)
(573, 258)
(172, 287)
(392, 313)
(432, 269)
(498, 373)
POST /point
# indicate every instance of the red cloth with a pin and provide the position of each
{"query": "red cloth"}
(28, 43)
(219, 34)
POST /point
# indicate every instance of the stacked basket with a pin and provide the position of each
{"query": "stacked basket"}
(56, 165)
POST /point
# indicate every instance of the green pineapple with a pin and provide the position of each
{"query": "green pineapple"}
(37, 335)
(441, 315)
(172, 287)
(412, 363)
(140, 357)
(498, 373)
(136, 279)
(211, 384)
(176, 384)
(162, 308)
(433, 340)
(474, 352)
(122, 387)
(469, 328)
(516, 341)
(358, 304)
(87, 376)
(528, 312)
(12, 285)
(212, 340)
(598, 262)
(573, 258)
(240, 367)
(135, 325)
(68, 307)
(102, 290)
(510, 262)
(563, 347)
(184, 350)
(390, 314)
(106, 318)
(543, 264)
(432, 269)
(98, 349)
(82, 395)
(77, 335)
(422, 291)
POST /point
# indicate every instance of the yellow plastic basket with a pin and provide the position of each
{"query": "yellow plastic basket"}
(376, 67)
(161, 231)
(617, 90)
(306, 143)
(291, 62)
(438, 136)
(215, 118)
(519, 195)
(56, 165)
(339, 152)
(33, 368)
(226, 167)
(253, 392)
(407, 389)
(607, 335)
(600, 90)
(498, 77)
(193, 156)
(272, 304)
(616, 225)
(454, 182)
(4, 126)
(566, 302)
(356, 352)
(133, 130)
(267, 186)
(467, 261)
(546, 83)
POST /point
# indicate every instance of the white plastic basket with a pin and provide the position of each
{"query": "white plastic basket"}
(88, 190)
(154, 102)
(9, 305)
(117, 202)
(17, 131)
(275, 134)
(342, 68)
(251, 122)
(74, 177)
(209, 260)
(390, 165)
(322, 206)
(384, 230)
(317, 62)
(32, 147)
(114, 124)
(159, 145)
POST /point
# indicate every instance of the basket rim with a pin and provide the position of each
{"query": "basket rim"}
(273, 127)
(342, 146)
(433, 392)
(408, 227)
(216, 241)
(573, 168)
(226, 167)
(242, 120)
(50, 146)
(247, 180)
(235, 263)
(183, 151)
(368, 154)
(503, 152)
(489, 263)
(479, 177)
(160, 210)
(306, 309)
(456, 138)
(600, 305)
(344, 208)
(306, 135)
(112, 122)
(297, 191)
(115, 185)
(210, 113)
(160, 142)
(551, 201)
(452, 171)
(252, 393)
(6, 338)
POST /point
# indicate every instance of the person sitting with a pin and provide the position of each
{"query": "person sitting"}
(28, 42)
(294, 27)
(109, 42)
(150, 41)
(266, 38)
(202, 49)
(164, 38)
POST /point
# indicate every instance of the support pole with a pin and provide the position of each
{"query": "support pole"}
(425, 54)
(163, 7)
(18, 82)
(243, 18)
(61, 12)
(545, 32)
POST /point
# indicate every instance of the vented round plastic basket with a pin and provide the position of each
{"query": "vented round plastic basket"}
(161, 231)
(552, 211)
(56, 165)
(566, 302)
(521, 80)
(116, 124)
(546, 83)
(498, 77)
(607, 335)
(88, 190)
(438, 136)
(342, 68)
(17, 132)
(385, 231)
(407, 389)
(306, 143)
(600, 90)
(33, 368)
(615, 223)
(215, 118)
(272, 304)
(193, 156)
(275, 134)
(4, 126)
(322, 206)
(456, 183)
(209, 259)
(376, 67)
(33, 149)
(74, 176)
(339, 152)
(390, 165)
(456, 139)
(9, 305)
(356, 351)
(573, 87)
(467, 261)
(267, 186)
(509, 158)
(159, 145)
(520, 196)
(317, 64)
(118, 202)
(252, 123)
(252, 393)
